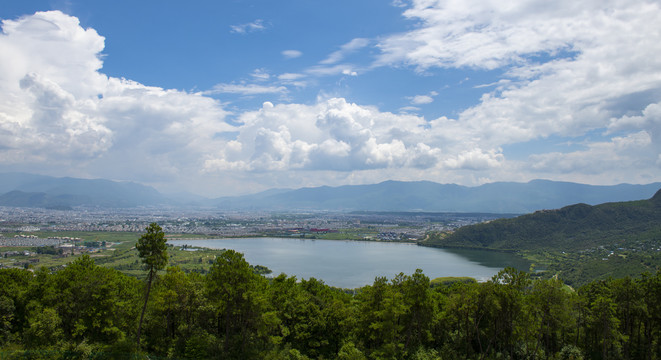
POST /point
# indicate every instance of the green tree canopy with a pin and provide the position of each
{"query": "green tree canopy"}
(152, 249)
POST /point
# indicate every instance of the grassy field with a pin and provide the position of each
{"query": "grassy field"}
(128, 262)
(119, 253)
(348, 234)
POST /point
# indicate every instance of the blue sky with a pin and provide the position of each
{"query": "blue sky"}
(234, 97)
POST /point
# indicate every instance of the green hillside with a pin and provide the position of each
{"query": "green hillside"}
(580, 243)
(572, 227)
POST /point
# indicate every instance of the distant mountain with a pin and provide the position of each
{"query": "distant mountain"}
(499, 197)
(573, 227)
(17, 198)
(28, 190)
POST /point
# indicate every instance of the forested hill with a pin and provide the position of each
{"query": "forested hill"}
(574, 227)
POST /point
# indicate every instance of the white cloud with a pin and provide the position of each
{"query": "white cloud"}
(628, 153)
(346, 49)
(399, 3)
(293, 79)
(59, 114)
(475, 159)
(74, 63)
(487, 34)
(409, 109)
(291, 54)
(422, 99)
(330, 135)
(44, 112)
(246, 89)
(256, 25)
(571, 67)
(290, 76)
(650, 119)
(260, 75)
(339, 69)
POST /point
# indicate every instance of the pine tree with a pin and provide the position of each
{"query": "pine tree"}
(153, 251)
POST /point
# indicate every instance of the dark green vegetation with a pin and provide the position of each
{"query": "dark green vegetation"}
(89, 311)
(154, 254)
(573, 227)
(450, 280)
(578, 242)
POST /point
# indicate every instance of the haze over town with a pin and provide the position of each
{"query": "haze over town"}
(226, 98)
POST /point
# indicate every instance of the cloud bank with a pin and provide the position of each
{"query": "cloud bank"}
(587, 72)
(573, 69)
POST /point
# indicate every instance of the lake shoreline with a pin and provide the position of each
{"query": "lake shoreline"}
(356, 263)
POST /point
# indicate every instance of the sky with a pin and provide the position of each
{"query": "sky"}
(233, 97)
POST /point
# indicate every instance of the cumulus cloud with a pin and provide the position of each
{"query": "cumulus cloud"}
(650, 119)
(609, 49)
(123, 129)
(59, 123)
(330, 135)
(45, 111)
(571, 68)
(475, 159)
(58, 111)
(423, 99)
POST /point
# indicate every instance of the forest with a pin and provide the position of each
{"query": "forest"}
(571, 228)
(580, 242)
(86, 311)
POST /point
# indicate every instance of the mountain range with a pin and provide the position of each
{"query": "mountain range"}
(29, 190)
(498, 197)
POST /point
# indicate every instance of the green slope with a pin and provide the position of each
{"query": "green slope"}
(578, 243)
(572, 227)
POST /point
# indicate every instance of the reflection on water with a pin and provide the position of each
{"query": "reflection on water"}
(352, 264)
(492, 258)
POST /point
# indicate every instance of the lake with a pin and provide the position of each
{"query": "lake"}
(352, 264)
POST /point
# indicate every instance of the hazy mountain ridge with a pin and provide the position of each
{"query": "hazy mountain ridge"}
(573, 227)
(29, 190)
(499, 197)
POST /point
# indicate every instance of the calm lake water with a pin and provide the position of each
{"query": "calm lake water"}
(352, 264)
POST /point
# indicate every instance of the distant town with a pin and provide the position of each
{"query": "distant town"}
(375, 226)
